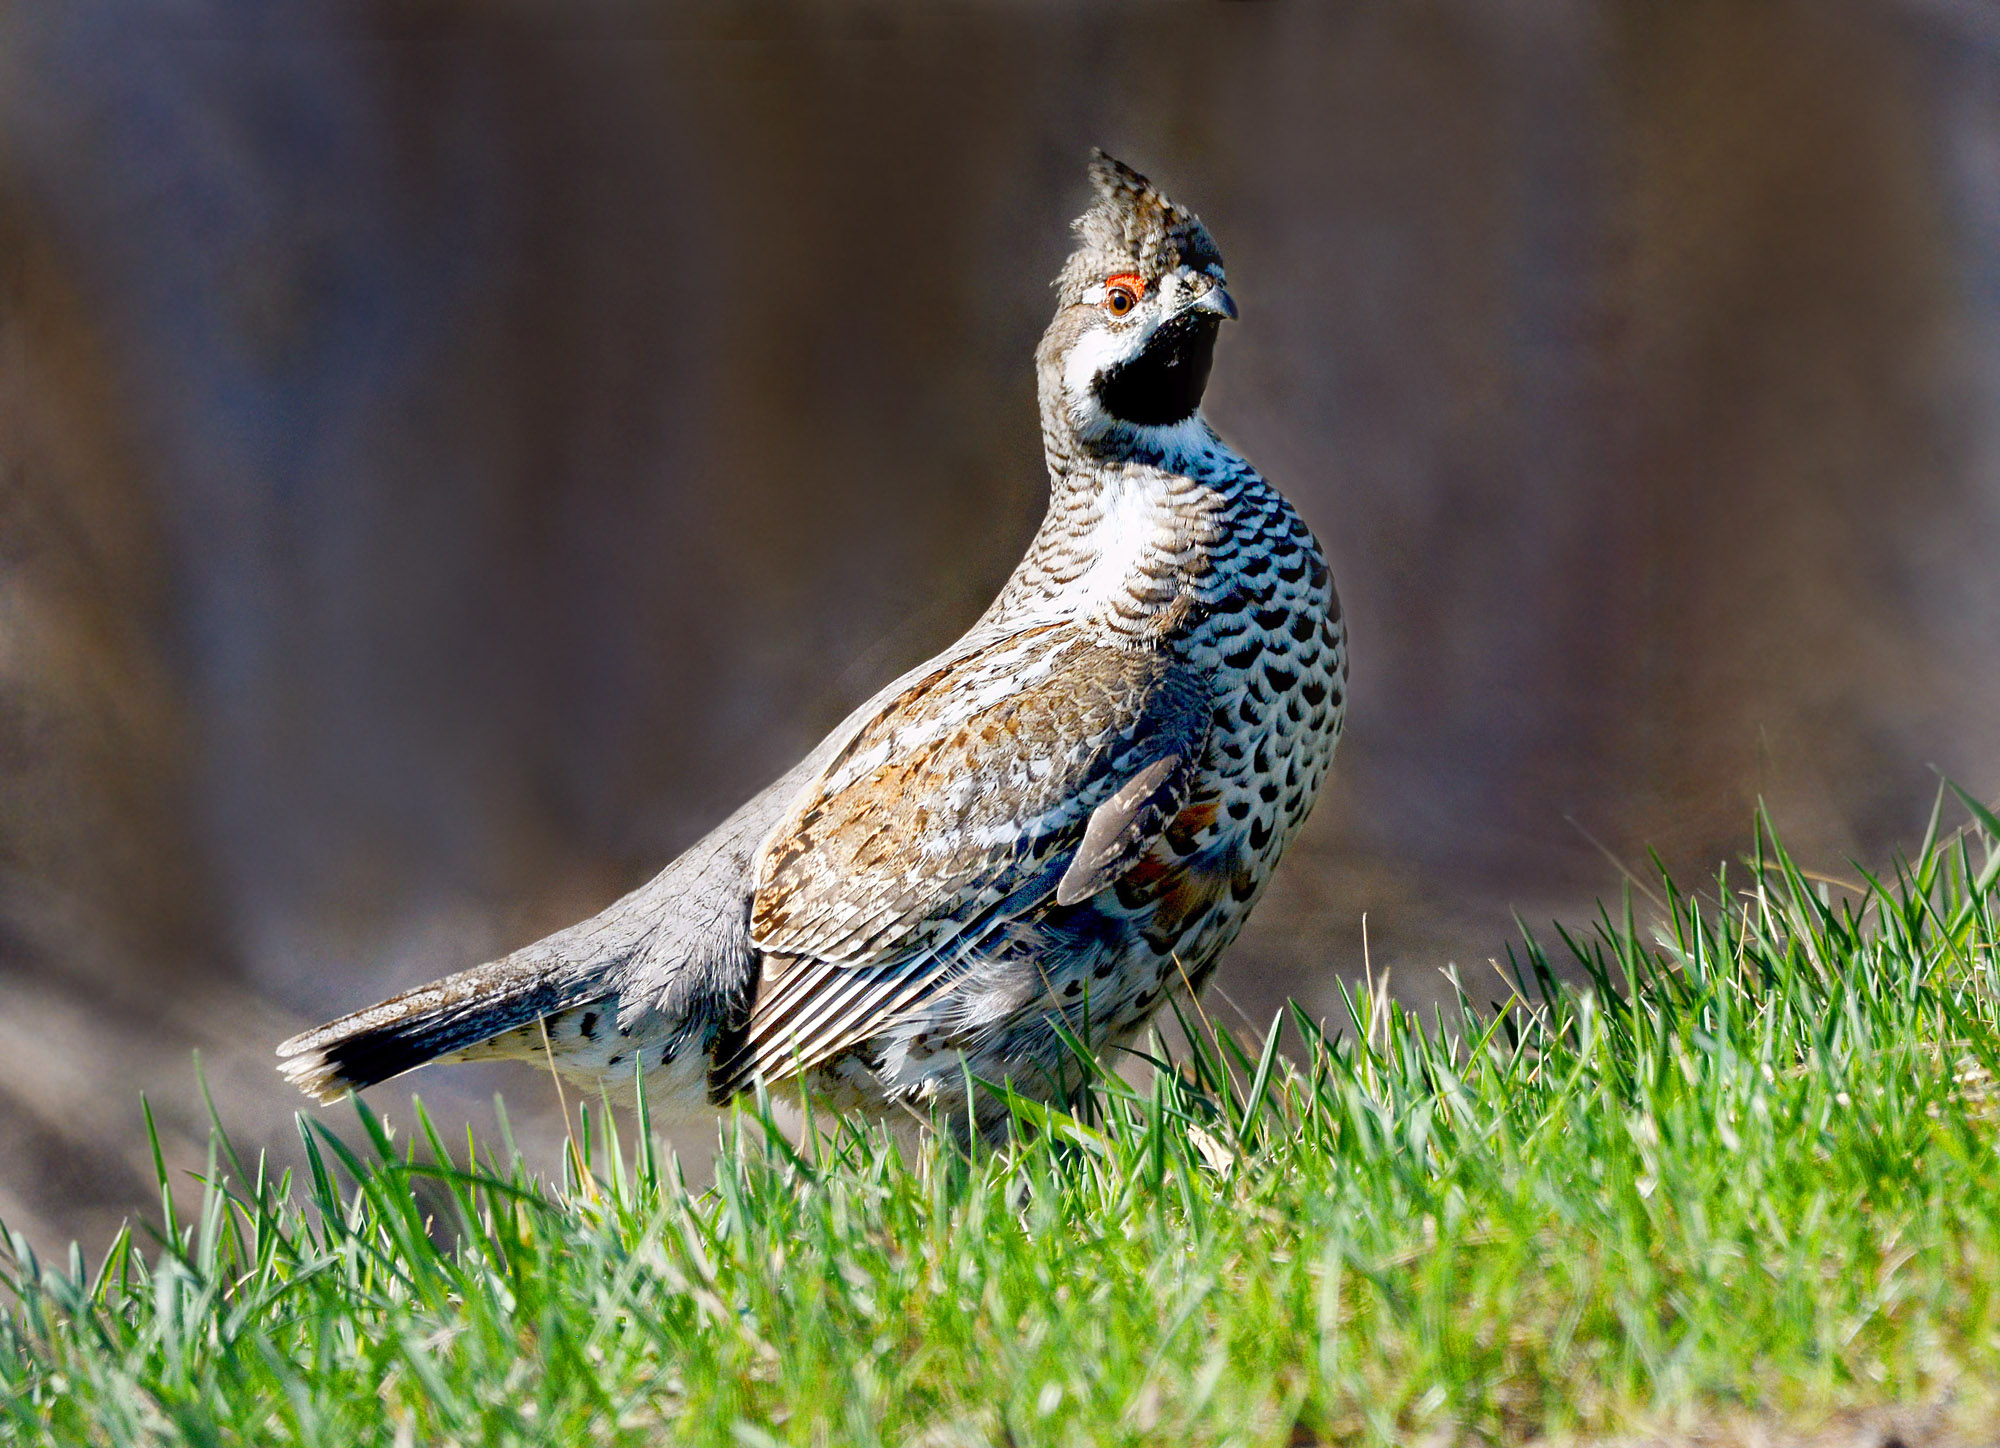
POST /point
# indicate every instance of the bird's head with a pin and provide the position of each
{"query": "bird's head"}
(1141, 299)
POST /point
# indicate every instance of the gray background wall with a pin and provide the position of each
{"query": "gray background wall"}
(451, 452)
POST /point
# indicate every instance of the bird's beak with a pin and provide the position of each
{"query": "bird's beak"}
(1216, 302)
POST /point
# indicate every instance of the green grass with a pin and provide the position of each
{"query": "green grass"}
(1751, 1167)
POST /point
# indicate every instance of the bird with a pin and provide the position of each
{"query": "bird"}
(1024, 843)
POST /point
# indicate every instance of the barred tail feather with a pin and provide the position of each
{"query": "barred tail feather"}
(420, 1026)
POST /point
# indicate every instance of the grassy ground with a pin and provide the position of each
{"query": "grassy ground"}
(1750, 1173)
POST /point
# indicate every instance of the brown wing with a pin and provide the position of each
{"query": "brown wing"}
(956, 806)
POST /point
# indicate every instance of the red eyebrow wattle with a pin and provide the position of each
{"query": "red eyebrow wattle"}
(1131, 281)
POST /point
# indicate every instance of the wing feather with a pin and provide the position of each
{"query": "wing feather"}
(958, 803)
(1122, 827)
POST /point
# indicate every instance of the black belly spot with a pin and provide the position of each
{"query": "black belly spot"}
(1183, 838)
(1273, 619)
(587, 1027)
(1280, 679)
(615, 1060)
(1246, 656)
(1239, 809)
(1260, 834)
(1313, 692)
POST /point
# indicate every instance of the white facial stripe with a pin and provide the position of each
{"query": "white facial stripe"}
(1094, 297)
(1095, 351)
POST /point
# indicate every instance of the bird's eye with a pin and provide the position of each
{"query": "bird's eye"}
(1122, 293)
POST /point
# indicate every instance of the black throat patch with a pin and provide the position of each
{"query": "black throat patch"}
(1164, 383)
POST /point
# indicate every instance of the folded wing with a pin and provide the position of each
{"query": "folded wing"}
(965, 800)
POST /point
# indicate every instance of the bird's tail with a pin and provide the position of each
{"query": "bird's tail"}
(422, 1025)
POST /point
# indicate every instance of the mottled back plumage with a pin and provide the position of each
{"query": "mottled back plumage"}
(1033, 836)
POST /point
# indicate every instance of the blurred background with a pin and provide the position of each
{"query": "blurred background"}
(450, 453)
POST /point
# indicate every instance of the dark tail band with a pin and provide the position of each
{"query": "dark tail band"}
(417, 1027)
